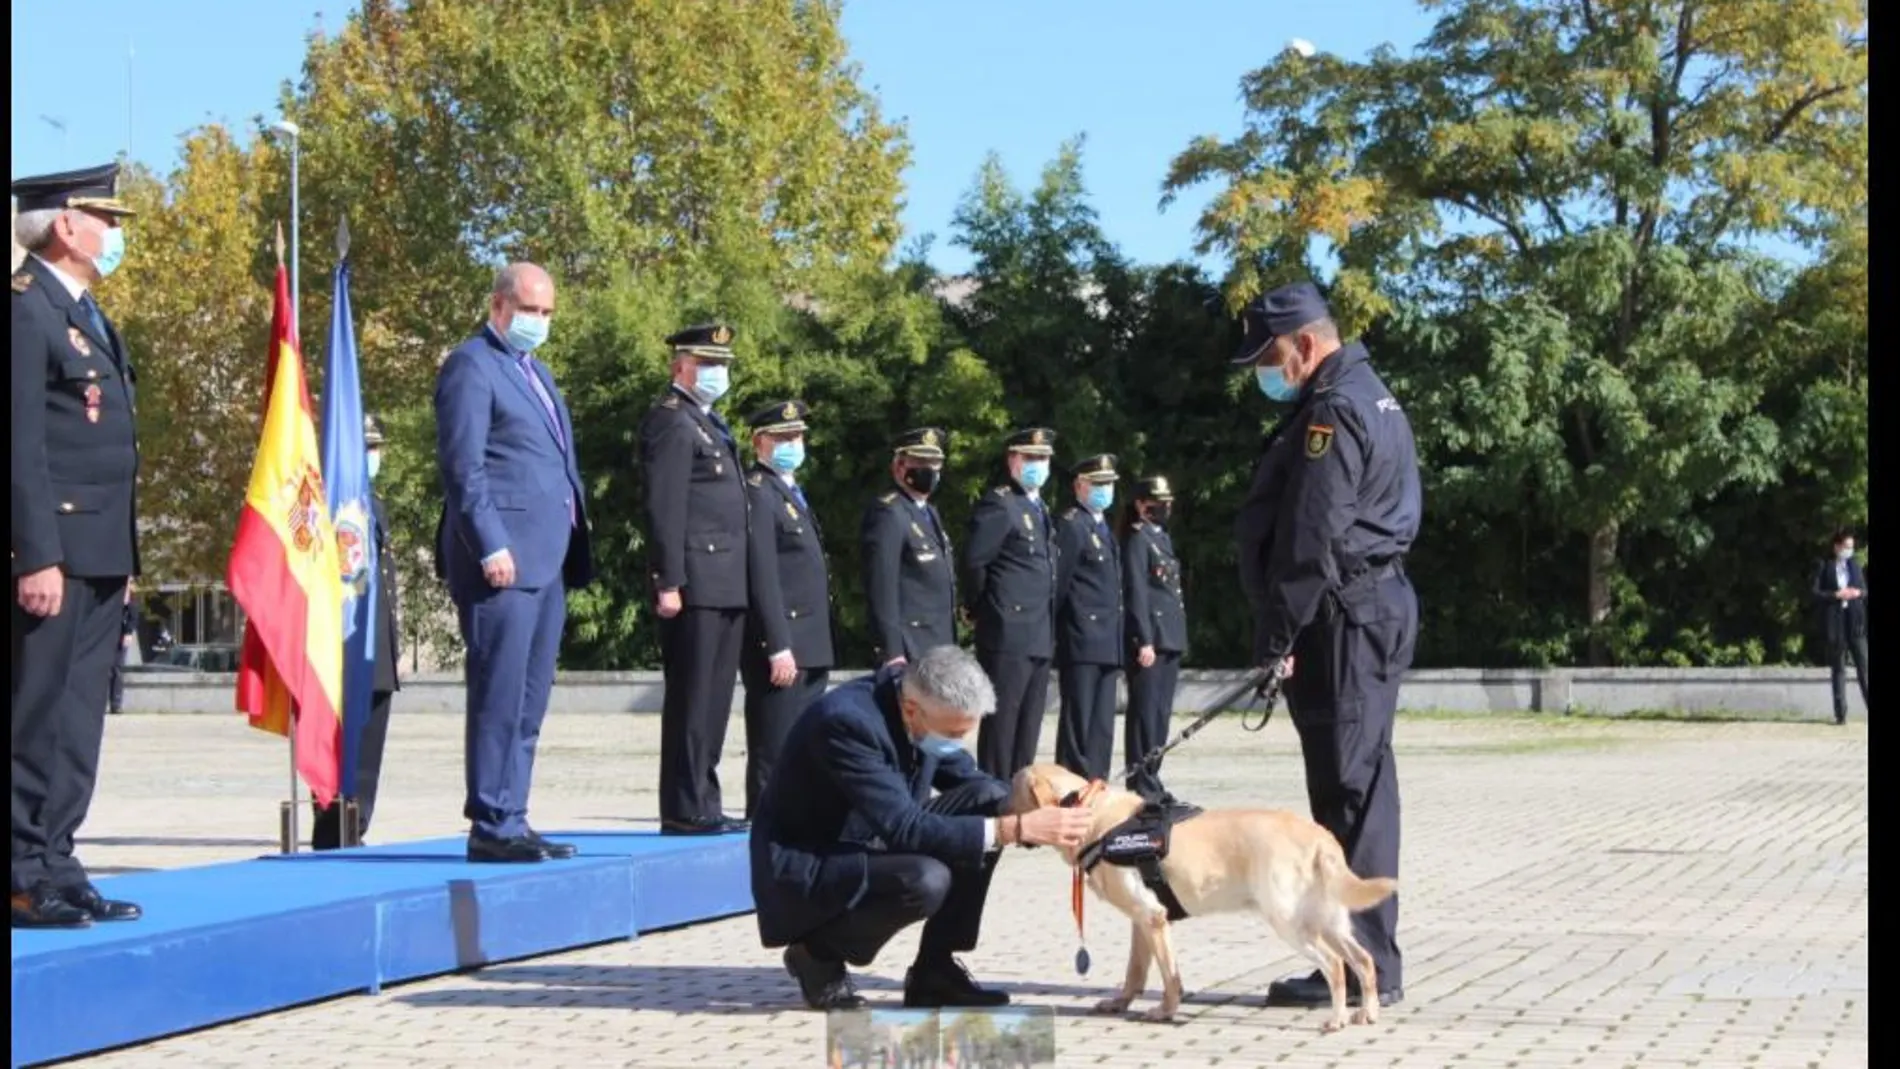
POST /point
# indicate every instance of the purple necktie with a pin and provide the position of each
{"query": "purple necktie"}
(526, 363)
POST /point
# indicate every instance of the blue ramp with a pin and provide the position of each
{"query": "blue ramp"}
(221, 942)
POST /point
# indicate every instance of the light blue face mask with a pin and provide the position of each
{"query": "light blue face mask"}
(711, 383)
(1100, 497)
(787, 456)
(938, 746)
(111, 251)
(375, 459)
(527, 333)
(1035, 473)
(1273, 383)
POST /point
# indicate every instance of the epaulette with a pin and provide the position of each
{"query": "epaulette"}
(756, 479)
(1002, 491)
(1069, 513)
(22, 281)
(887, 498)
(671, 400)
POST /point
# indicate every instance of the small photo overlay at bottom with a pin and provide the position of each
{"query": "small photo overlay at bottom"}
(1019, 1037)
(883, 1039)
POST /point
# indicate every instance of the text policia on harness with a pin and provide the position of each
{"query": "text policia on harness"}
(1141, 841)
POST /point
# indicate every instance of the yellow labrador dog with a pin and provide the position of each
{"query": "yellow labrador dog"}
(1285, 867)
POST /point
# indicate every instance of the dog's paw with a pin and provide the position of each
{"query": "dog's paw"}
(1116, 1004)
(1333, 1024)
(1365, 1015)
(1159, 1015)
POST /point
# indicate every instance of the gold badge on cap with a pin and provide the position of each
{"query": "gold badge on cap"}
(1161, 485)
(790, 411)
(930, 438)
(721, 335)
(1035, 437)
(79, 341)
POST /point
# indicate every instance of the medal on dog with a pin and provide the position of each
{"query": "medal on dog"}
(1081, 937)
(1082, 961)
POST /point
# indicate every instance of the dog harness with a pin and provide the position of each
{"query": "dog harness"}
(1140, 842)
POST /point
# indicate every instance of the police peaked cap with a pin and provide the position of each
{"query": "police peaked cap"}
(1032, 441)
(1277, 312)
(93, 189)
(709, 341)
(780, 417)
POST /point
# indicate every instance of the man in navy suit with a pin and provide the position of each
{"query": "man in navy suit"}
(1840, 587)
(849, 847)
(513, 539)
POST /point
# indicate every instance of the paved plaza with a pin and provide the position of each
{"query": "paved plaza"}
(1575, 893)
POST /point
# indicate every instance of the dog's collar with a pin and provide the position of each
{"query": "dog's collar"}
(1084, 795)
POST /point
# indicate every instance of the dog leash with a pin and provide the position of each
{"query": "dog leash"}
(1265, 684)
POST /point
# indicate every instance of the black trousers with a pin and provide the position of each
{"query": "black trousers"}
(1085, 726)
(907, 888)
(1344, 697)
(326, 833)
(115, 699)
(1838, 651)
(1150, 711)
(700, 653)
(1006, 743)
(62, 667)
(770, 713)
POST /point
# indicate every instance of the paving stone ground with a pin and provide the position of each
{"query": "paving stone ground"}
(1576, 893)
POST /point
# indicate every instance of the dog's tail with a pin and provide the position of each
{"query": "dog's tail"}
(1351, 891)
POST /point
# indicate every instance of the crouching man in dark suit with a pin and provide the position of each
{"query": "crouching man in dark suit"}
(850, 847)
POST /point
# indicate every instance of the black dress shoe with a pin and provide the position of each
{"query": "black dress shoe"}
(947, 984)
(558, 851)
(97, 906)
(42, 907)
(720, 826)
(824, 985)
(518, 850)
(1311, 992)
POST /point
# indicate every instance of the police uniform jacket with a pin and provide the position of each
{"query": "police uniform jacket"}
(695, 504)
(910, 578)
(1335, 502)
(1011, 560)
(791, 586)
(75, 446)
(384, 674)
(1088, 590)
(849, 782)
(1157, 609)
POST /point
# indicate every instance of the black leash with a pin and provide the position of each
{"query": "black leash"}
(1265, 685)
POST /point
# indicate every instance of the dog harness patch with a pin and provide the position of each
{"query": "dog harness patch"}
(1141, 842)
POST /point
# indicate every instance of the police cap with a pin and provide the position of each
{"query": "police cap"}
(93, 189)
(1032, 441)
(924, 443)
(707, 341)
(372, 430)
(1276, 312)
(781, 417)
(1096, 469)
(1154, 488)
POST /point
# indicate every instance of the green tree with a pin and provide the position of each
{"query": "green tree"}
(1576, 186)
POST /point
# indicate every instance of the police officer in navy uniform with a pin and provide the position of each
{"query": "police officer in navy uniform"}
(75, 538)
(696, 509)
(1088, 621)
(1156, 626)
(327, 829)
(788, 653)
(1335, 505)
(1011, 560)
(910, 575)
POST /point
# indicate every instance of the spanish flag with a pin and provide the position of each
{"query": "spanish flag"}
(284, 573)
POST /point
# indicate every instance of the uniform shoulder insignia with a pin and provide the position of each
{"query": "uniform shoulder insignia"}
(756, 479)
(671, 400)
(887, 498)
(1002, 491)
(22, 281)
(1069, 513)
(1319, 439)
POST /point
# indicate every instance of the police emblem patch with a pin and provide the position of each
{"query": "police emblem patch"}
(1319, 439)
(78, 340)
(352, 544)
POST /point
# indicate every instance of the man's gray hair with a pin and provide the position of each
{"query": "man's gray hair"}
(947, 675)
(34, 229)
(508, 279)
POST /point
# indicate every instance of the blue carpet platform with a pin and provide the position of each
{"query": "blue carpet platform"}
(221, 942)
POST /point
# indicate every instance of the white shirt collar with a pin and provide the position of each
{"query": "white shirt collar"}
(73, 286)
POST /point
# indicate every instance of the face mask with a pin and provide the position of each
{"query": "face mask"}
(939, 746)
(711, 383)
(375, 462)
(526, 333)
(787, 456)
(1035, 473)
(1100, 497)
(1158, 514)
(111, 251)
(1844, 554)
(1273, 383)
(922, 480)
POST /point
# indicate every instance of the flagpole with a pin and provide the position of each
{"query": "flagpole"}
(289, 817)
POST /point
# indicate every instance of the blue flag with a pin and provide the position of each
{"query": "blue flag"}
(346, 477)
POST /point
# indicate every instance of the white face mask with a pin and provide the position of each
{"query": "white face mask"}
(1844, 554)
